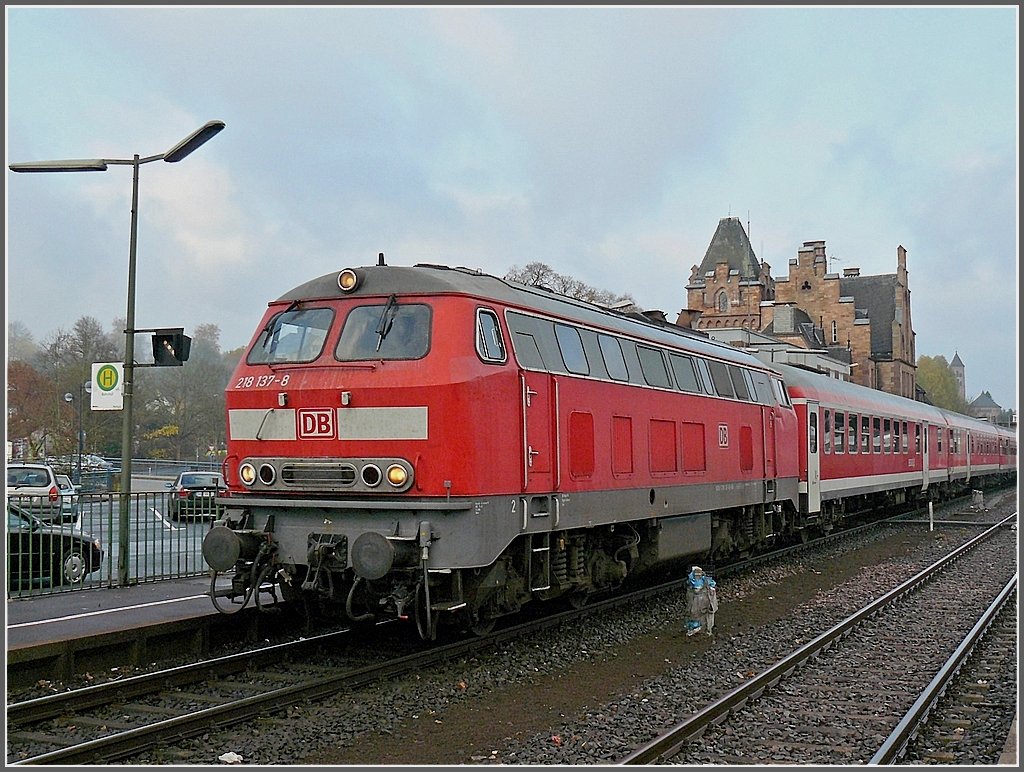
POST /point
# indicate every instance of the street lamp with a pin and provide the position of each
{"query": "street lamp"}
(69, 397)
(175, 154)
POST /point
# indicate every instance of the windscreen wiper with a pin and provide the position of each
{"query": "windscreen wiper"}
(387, 318)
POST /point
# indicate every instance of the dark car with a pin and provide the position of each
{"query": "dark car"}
(194, 495)
(40, 551)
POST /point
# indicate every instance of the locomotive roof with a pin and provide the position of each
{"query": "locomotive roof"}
(424, 279)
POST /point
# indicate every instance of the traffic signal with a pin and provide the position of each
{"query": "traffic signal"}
(170, 348)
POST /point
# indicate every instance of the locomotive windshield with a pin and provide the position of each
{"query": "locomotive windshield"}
(388, 331)
(295, 335)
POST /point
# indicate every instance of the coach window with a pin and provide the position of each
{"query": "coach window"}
(865, 434)
(886, 436)
(812, 432)
(571, 346)
(720, 378)
(876, 435)
(489, 344)
(938, 438)
(906, 437)
(840, 425)
(827, 433)
(611, 351)
(652, 363)
(853, 433)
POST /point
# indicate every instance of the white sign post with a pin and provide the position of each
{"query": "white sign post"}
(107, 391)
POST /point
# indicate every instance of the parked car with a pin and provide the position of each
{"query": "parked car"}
(194, 495)
(69, 498)
(41, 551)
(34, 488)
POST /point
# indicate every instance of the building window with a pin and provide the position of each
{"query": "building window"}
(723, 302)
(835, 332)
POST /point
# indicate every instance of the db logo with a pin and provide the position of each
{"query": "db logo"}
(316, 424)
(723, 435)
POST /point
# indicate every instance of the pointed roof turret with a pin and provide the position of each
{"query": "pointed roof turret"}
(956, 361)
(731, 245)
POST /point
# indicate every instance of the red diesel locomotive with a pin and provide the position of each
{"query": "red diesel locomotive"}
(435, 443)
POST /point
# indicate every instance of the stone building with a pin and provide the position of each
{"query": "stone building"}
(862, 320)
(985, 408)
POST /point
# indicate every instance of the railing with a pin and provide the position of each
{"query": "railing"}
(50, 551)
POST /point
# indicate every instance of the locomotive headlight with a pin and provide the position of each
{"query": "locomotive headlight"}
(348, 280)
(397, 475)
(247, 473)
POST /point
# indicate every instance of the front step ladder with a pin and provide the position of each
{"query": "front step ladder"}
(540, 562)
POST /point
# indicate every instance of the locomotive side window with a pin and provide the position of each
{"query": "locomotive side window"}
(780, 390)
(686, 376)
(738, 384)
(652, 363)
(614, 363)
(720, 377)
(489, 343)
(295, 335)
(571, 346)
(761, 387)
(705, 376)
(389, 331)
(748, 378)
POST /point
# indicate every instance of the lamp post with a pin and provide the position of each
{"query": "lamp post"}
(69, 397)
(175, 154)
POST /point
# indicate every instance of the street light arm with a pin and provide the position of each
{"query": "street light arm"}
(193, 141)
(79, 165)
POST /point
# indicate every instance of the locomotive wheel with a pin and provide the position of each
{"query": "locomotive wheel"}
(578, 598)
(420, 614)
(482, 627)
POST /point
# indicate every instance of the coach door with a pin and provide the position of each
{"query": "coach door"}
(813, 461)
(539, 402)
(967, 454)
(925, 456)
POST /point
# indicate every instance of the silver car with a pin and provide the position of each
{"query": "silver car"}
(34, 488)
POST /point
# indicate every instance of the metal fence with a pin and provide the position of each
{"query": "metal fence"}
(49, 552)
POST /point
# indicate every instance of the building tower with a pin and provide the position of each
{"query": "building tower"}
(957, 368)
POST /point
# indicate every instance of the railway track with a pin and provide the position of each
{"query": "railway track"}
(858, 692)
(120, 718)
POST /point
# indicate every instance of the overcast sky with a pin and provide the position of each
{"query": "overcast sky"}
(606, 142)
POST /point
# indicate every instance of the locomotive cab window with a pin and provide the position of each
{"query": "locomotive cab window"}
(294, 335)
(489, 343)
(389, 331)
